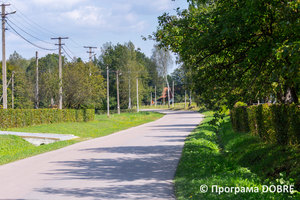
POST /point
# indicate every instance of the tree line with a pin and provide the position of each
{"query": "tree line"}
(84, 83)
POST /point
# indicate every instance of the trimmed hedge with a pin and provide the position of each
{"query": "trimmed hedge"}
(11, 118)
(239, 119)
(275, 123)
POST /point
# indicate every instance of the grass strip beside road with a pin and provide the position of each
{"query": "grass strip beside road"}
(14, 148)
(204, 163)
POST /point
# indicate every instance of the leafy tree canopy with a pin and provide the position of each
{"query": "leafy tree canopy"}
(237, 49)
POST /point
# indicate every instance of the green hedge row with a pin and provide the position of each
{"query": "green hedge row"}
(11, 118)
(276, 123)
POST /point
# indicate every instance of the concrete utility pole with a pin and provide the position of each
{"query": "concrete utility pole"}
(4, 78)
(12, 89)
(60, 68)
(37, 82)
(90, 51)
(155, 96)
(137, 95)
(118, 100)
(168, 94)
(190, 103)
(107, 80)
(184, 98)
(163, 94)
(129, 100)
(173, 96)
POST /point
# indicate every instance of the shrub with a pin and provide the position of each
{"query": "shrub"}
(239, 104)
(11, 118)
(295, 124)
(272, 123)
(281, 123)
(239, 119)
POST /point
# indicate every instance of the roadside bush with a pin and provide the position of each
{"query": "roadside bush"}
(239, 119)
(11, 118)
(274, 123)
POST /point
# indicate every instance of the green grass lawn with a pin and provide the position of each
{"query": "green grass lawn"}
(236, 165)
(14, 148)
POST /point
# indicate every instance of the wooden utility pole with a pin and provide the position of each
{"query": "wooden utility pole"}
(151, 100)
(12, 89)
(60, 68)
(137, 95)
(90, 51)
(4, 77)
(118, 100)
(37, 82)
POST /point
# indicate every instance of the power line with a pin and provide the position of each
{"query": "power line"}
(33, 21)
(79, 46)
(90, 51)
(60, 68)
(29, 33)
(28, 40)
(35, 29)
(68, 54)
(71, 51)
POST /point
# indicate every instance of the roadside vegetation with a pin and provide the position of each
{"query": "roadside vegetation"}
(14, 148)
(177, 106)
(230, 159)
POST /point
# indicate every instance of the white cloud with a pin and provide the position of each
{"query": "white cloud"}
(56, 4)
(106, 19)
(90, 15)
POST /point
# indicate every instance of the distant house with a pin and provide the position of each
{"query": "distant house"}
(165, 96)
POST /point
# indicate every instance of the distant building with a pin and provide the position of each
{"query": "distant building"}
(165, 96)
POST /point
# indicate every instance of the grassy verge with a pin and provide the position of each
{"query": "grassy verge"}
(14, 148)
(243, 162)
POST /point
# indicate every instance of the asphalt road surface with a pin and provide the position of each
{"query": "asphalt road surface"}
(137, 163)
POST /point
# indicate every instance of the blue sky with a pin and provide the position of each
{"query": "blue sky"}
(85, 22)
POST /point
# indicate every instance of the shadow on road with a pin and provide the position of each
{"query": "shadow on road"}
(149, 166)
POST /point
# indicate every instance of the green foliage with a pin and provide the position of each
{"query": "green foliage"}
(295, 123)
(12, 118)
(272, 123)
(239, 119)
(239, 103)
(83, 86)
(281, 123)
(132, 65)
(237, 50)
(239, 164)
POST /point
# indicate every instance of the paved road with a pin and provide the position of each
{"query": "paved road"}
(138, 163)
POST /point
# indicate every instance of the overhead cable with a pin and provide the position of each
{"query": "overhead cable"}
(28, 40)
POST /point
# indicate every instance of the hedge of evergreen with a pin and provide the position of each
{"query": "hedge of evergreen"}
(11, 118)
(276, 123)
